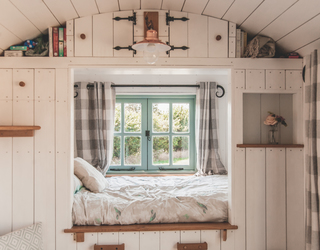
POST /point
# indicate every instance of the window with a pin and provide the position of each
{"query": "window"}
(154, 133)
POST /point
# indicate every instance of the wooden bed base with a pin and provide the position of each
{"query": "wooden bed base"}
(80, 230)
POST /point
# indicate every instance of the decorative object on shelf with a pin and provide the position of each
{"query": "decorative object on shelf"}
(261, 46)
(272, 121)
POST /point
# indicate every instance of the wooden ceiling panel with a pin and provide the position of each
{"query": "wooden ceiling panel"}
(217, 8)
(301, 36)
(129, 4)
(85, 7)
(264, 14)
(306, 50)
(107, 5)
(44, 17)
(7, 38)
(151, 4)
(240, 10)
(292, 18)
(193, 6)
(63, 10)
(172, 5)
(12, 19)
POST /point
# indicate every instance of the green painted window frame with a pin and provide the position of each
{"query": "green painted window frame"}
(146, 124)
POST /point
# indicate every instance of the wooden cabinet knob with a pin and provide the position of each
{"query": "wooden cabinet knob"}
(218, 37)
(83, 36)
(22, 84)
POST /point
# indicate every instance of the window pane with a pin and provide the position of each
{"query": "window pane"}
(132, 152)
(180, 150)
(132, 113)
(116, 158)
(117, 117)
(160, 147)
(180, 117)
(160, 117)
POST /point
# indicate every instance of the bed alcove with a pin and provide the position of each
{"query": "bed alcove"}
(165, 76)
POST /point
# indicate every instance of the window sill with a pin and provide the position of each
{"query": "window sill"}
(150, 173)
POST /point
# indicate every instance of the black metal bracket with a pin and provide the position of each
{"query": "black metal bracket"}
(119, 169)
(171, 18)
(223, 91)
(170, 169)
(128, 48)
(129, 18)
(172, 47)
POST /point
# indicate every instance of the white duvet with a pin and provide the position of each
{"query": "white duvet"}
(137, 200)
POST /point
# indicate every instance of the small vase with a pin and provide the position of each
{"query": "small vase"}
(272, 135)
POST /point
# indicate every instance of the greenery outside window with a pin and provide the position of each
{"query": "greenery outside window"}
(154, 134)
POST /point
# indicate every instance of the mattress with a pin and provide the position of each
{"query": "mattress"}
(139, 200)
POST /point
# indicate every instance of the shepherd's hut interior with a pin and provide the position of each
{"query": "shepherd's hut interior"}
(158, 124)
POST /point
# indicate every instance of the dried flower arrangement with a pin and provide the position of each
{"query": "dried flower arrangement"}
(273, 119)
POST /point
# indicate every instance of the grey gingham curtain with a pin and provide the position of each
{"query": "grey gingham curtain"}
(208, 159)
(94, 123)
(312, 91)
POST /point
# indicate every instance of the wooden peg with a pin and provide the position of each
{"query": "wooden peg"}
(79, 237)
(22, 84)
(224, 234)
(218, 37)
(83, 36)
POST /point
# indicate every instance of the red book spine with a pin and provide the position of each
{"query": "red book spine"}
(55, 39)
(64, 41)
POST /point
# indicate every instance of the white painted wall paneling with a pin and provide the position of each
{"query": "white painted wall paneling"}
(292, 18)
(45, 210)
(264, 14)
(83, 47)
(197, 36)
(122, 34)
(42, 19)
(62, 10)
(7, 38)
(229, 244)
(232, 29)
(108, 238)
(196, 7)
(131, 240)
(172, 5)
(149, 240)
(70, 27)
(64, 171)
(151, 4)
(255, 198)
(25, 30)
(276, 198)
(302, 35)
(232, 47)
(293, 79)
(295, 199)
(251, 118)
(216, 28)
(286, 110)
(239, 194)
(90, 239)
(113, 5)
(217, 8)
(212, 237)
(240, 10)
(103, 35)
(70, 38)
(6, 84)
(178, 34)
(169, 239)
(85, 8)
(26, 92)
(240, 79)
(255, 79)
(190, 236)
(275, 79)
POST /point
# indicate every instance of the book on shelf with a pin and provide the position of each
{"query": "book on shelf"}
(19, 47)
(241, 43)
(57, 42)
(64, 42)
(238, 46)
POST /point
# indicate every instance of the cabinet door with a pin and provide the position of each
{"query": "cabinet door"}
(103, 35)
(179, 34)
(149, 240)
(197, 36)
(275, 79)
(130, 239)
(123, 34)
(169, 239)
(83, 36)
(218, 48)
(240, 78)
(6, 84)
(255, 79)
(212, 237)
(293, 79)
(90, 239)
(25, 92)
(192, 236)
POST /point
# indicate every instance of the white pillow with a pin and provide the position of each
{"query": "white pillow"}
(77, 184)
(91, 178)
(25, 238)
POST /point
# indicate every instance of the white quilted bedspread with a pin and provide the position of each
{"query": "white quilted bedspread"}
(138, 200)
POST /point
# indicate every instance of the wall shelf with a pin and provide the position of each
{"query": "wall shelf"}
(270, 145)
(18, 131)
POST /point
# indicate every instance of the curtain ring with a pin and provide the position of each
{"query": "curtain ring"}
(223, 91)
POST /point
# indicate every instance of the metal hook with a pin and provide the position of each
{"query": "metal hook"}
(76, 95)
(223, 91)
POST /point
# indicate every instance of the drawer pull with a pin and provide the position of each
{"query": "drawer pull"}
(109, 247)
(83, 36)
(22, 84)
(218, 37)
(192, 246)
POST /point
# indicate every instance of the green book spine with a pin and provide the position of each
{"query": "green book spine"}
(61, 48)
(23, 48)
(60, 34)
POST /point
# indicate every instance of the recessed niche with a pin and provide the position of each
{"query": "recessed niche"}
(255, 111)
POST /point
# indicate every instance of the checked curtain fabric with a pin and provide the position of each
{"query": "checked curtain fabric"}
(208, 159)
(312, 108)
(94, 123)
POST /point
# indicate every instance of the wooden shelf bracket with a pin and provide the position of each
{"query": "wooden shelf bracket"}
(18, 131)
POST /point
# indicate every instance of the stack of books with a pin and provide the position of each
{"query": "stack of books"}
(15, 51)
(241, 42)
(57, 42)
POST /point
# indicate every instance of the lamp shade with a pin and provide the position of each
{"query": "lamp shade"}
(151, 38)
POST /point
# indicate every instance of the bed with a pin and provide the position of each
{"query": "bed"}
(139, 200)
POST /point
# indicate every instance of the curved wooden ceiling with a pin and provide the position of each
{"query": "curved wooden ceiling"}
(293, 24)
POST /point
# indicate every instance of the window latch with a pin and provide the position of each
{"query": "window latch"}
(148, 135)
